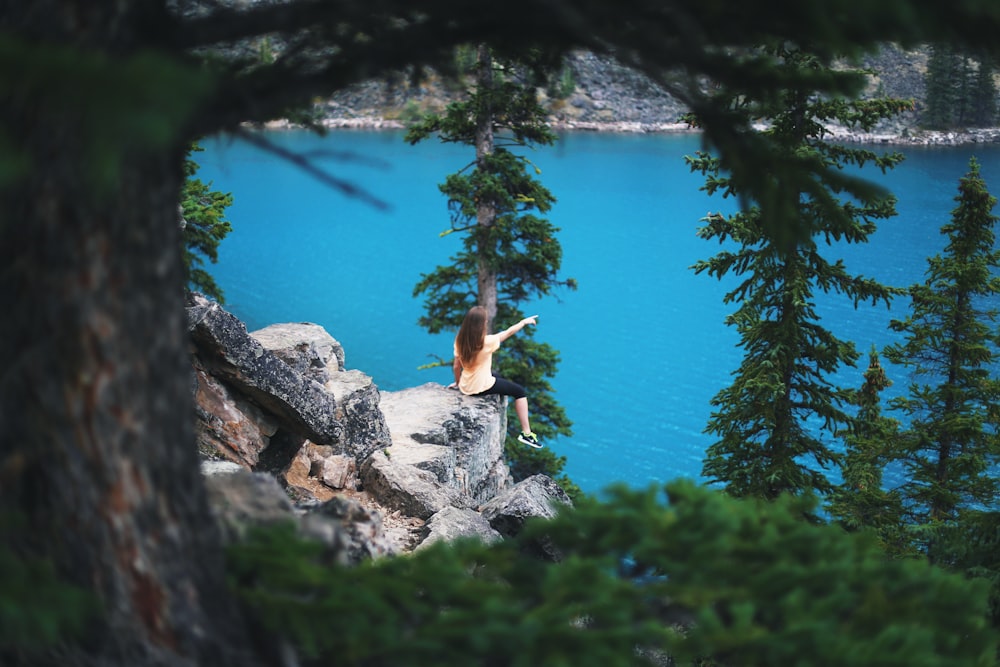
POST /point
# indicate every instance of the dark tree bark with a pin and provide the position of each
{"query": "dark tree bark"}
(97, 444)
(486, 210)
(96, 439)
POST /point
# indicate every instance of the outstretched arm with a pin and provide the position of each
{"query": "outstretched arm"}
(456, 367)
(510, 331)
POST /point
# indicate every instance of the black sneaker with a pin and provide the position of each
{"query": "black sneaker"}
(529, 438)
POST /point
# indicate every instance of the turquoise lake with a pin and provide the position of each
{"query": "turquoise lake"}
(642, 341)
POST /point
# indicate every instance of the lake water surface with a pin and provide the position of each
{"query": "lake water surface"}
(643, 343)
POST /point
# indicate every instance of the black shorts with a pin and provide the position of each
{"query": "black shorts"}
(504, 387)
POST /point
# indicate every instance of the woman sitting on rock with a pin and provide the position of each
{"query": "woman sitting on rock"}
(473, 365)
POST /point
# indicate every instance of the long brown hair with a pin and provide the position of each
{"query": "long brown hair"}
(471, 335)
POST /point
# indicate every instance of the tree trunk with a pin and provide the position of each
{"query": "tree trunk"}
(97, 450)
(486, 212)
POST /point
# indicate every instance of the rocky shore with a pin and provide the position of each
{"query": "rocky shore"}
(606, 97)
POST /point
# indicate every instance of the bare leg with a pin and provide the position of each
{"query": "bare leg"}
(521, 408)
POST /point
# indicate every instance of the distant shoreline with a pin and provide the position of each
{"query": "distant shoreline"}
(971, 136)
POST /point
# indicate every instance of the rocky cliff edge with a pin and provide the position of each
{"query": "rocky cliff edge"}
(288, 434)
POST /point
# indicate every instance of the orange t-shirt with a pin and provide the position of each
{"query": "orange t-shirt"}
(479, 376)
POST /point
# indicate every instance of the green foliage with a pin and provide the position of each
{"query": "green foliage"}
(563, 84)
(765, 446)
(704, 578)
(951, 448)
(961, 91)
(411, 113)
(984, 92)
(861, 501)
(465, 58)
(507, 246)
(765, 589)
(464, 604)
(266, 52)
(203, 210)
(971, 546)
(943, 74)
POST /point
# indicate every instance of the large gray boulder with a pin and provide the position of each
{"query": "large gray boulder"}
(314, 353)
(452, 523)
(350, 530)
(306, 347)
(241, 500)
(359, 412)
(410, 490)
(537, 496)
(457, 438)
(224, 348)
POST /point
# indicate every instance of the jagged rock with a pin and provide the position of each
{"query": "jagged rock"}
(298, 480)
(536, 496)
(452, 523)
(353, 532)
(241, 499)
(227, 425)
(306, 347)
(459, 439)
(316, 472)
(335, 470)
(358, 409)
(314, 353)
(406, 488)
(228, 352)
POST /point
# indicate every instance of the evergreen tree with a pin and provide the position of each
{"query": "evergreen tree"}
(951, 445)
(203, 228)
(940, 85)
(960, 90)
(971, 547)
(702, 579)
(509, 252)
(766, 444)
(983, 103)
(861, 502)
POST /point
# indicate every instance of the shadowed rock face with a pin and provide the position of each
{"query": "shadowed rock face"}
(224, 349)
(310, 350)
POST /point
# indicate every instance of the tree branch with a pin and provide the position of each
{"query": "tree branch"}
(304, 162)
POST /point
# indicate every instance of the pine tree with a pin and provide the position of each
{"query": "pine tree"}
(203, 228)
(960, 88)
(510, 253)
(766, 446)
(939, 82)
(861, 502)
(983, 103)
(951, 445)
(702, 579)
